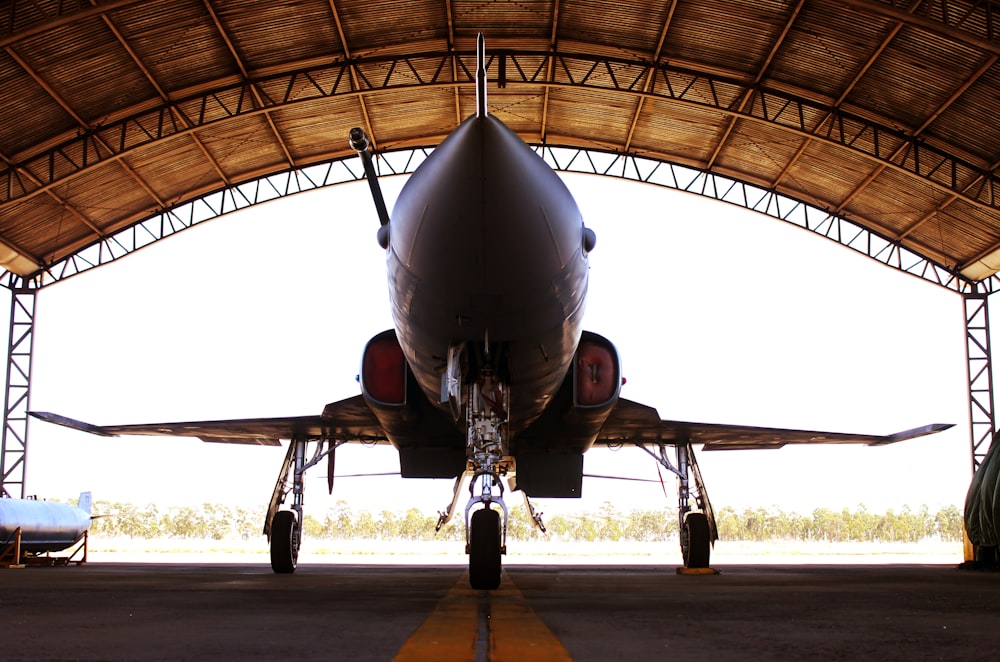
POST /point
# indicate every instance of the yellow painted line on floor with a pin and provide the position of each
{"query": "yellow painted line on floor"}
(698, 571)
(517, 634)
(450, 632)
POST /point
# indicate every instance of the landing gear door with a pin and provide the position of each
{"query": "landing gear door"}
(278, 496)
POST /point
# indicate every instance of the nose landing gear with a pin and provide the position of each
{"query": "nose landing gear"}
(486, 530)
(484, 548)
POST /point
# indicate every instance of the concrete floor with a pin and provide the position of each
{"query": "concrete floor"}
(119, 611)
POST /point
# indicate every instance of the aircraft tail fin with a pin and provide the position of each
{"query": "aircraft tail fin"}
(86, 502)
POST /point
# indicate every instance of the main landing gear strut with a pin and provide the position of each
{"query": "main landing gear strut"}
(283, 528)
(696, 522)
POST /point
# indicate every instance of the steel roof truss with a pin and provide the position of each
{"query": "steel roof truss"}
(725, 189)
(974, 23)
(207, 207)
(888, 146)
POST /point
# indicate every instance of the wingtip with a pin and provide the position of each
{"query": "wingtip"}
(921, 431)
(71, 423)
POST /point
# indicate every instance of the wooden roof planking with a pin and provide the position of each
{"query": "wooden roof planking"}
(883, 112)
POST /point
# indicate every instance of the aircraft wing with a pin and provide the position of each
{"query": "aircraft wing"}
(631, 422)
(347, 420)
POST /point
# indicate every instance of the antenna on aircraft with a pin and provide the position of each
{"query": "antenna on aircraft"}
(481, 76)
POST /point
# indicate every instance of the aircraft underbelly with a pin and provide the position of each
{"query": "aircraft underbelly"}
(538, 327)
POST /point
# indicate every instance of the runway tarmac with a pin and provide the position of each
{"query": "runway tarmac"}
(132, 611)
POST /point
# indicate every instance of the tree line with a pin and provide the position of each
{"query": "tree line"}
(218, 522)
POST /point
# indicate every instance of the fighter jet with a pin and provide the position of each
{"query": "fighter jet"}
(488, 376)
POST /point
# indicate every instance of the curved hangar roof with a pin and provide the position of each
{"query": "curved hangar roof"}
(883, 112)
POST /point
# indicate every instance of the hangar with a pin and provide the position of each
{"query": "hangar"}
(868, 122)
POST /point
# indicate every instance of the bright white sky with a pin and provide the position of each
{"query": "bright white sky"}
(720, 315)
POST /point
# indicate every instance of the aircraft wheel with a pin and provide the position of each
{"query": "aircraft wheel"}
(484, 550)
(696, 541)
(284, 542)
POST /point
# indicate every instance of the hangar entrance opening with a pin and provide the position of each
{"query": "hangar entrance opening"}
(664, 331)
(125, 119)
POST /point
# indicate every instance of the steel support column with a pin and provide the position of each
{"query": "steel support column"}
(982, 419)
(15, 412)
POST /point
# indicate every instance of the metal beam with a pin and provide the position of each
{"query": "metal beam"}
(858, 75)
(218, 203)
(657, 54)
(30, 19)
(724, 189)
(259, 100)
(13, 459)
(354, 75)
(543, 129)
(449, 12)
(84, 127)
(747, 94)
(975, 24)
(982, 418)
(918, 132)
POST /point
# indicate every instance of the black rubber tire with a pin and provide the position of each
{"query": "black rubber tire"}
(284, 542)
(484, 550)
(696, 541)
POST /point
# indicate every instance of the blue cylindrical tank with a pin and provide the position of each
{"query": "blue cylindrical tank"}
(45, 526)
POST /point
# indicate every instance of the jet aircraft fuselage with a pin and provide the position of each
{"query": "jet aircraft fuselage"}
(487, 248)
